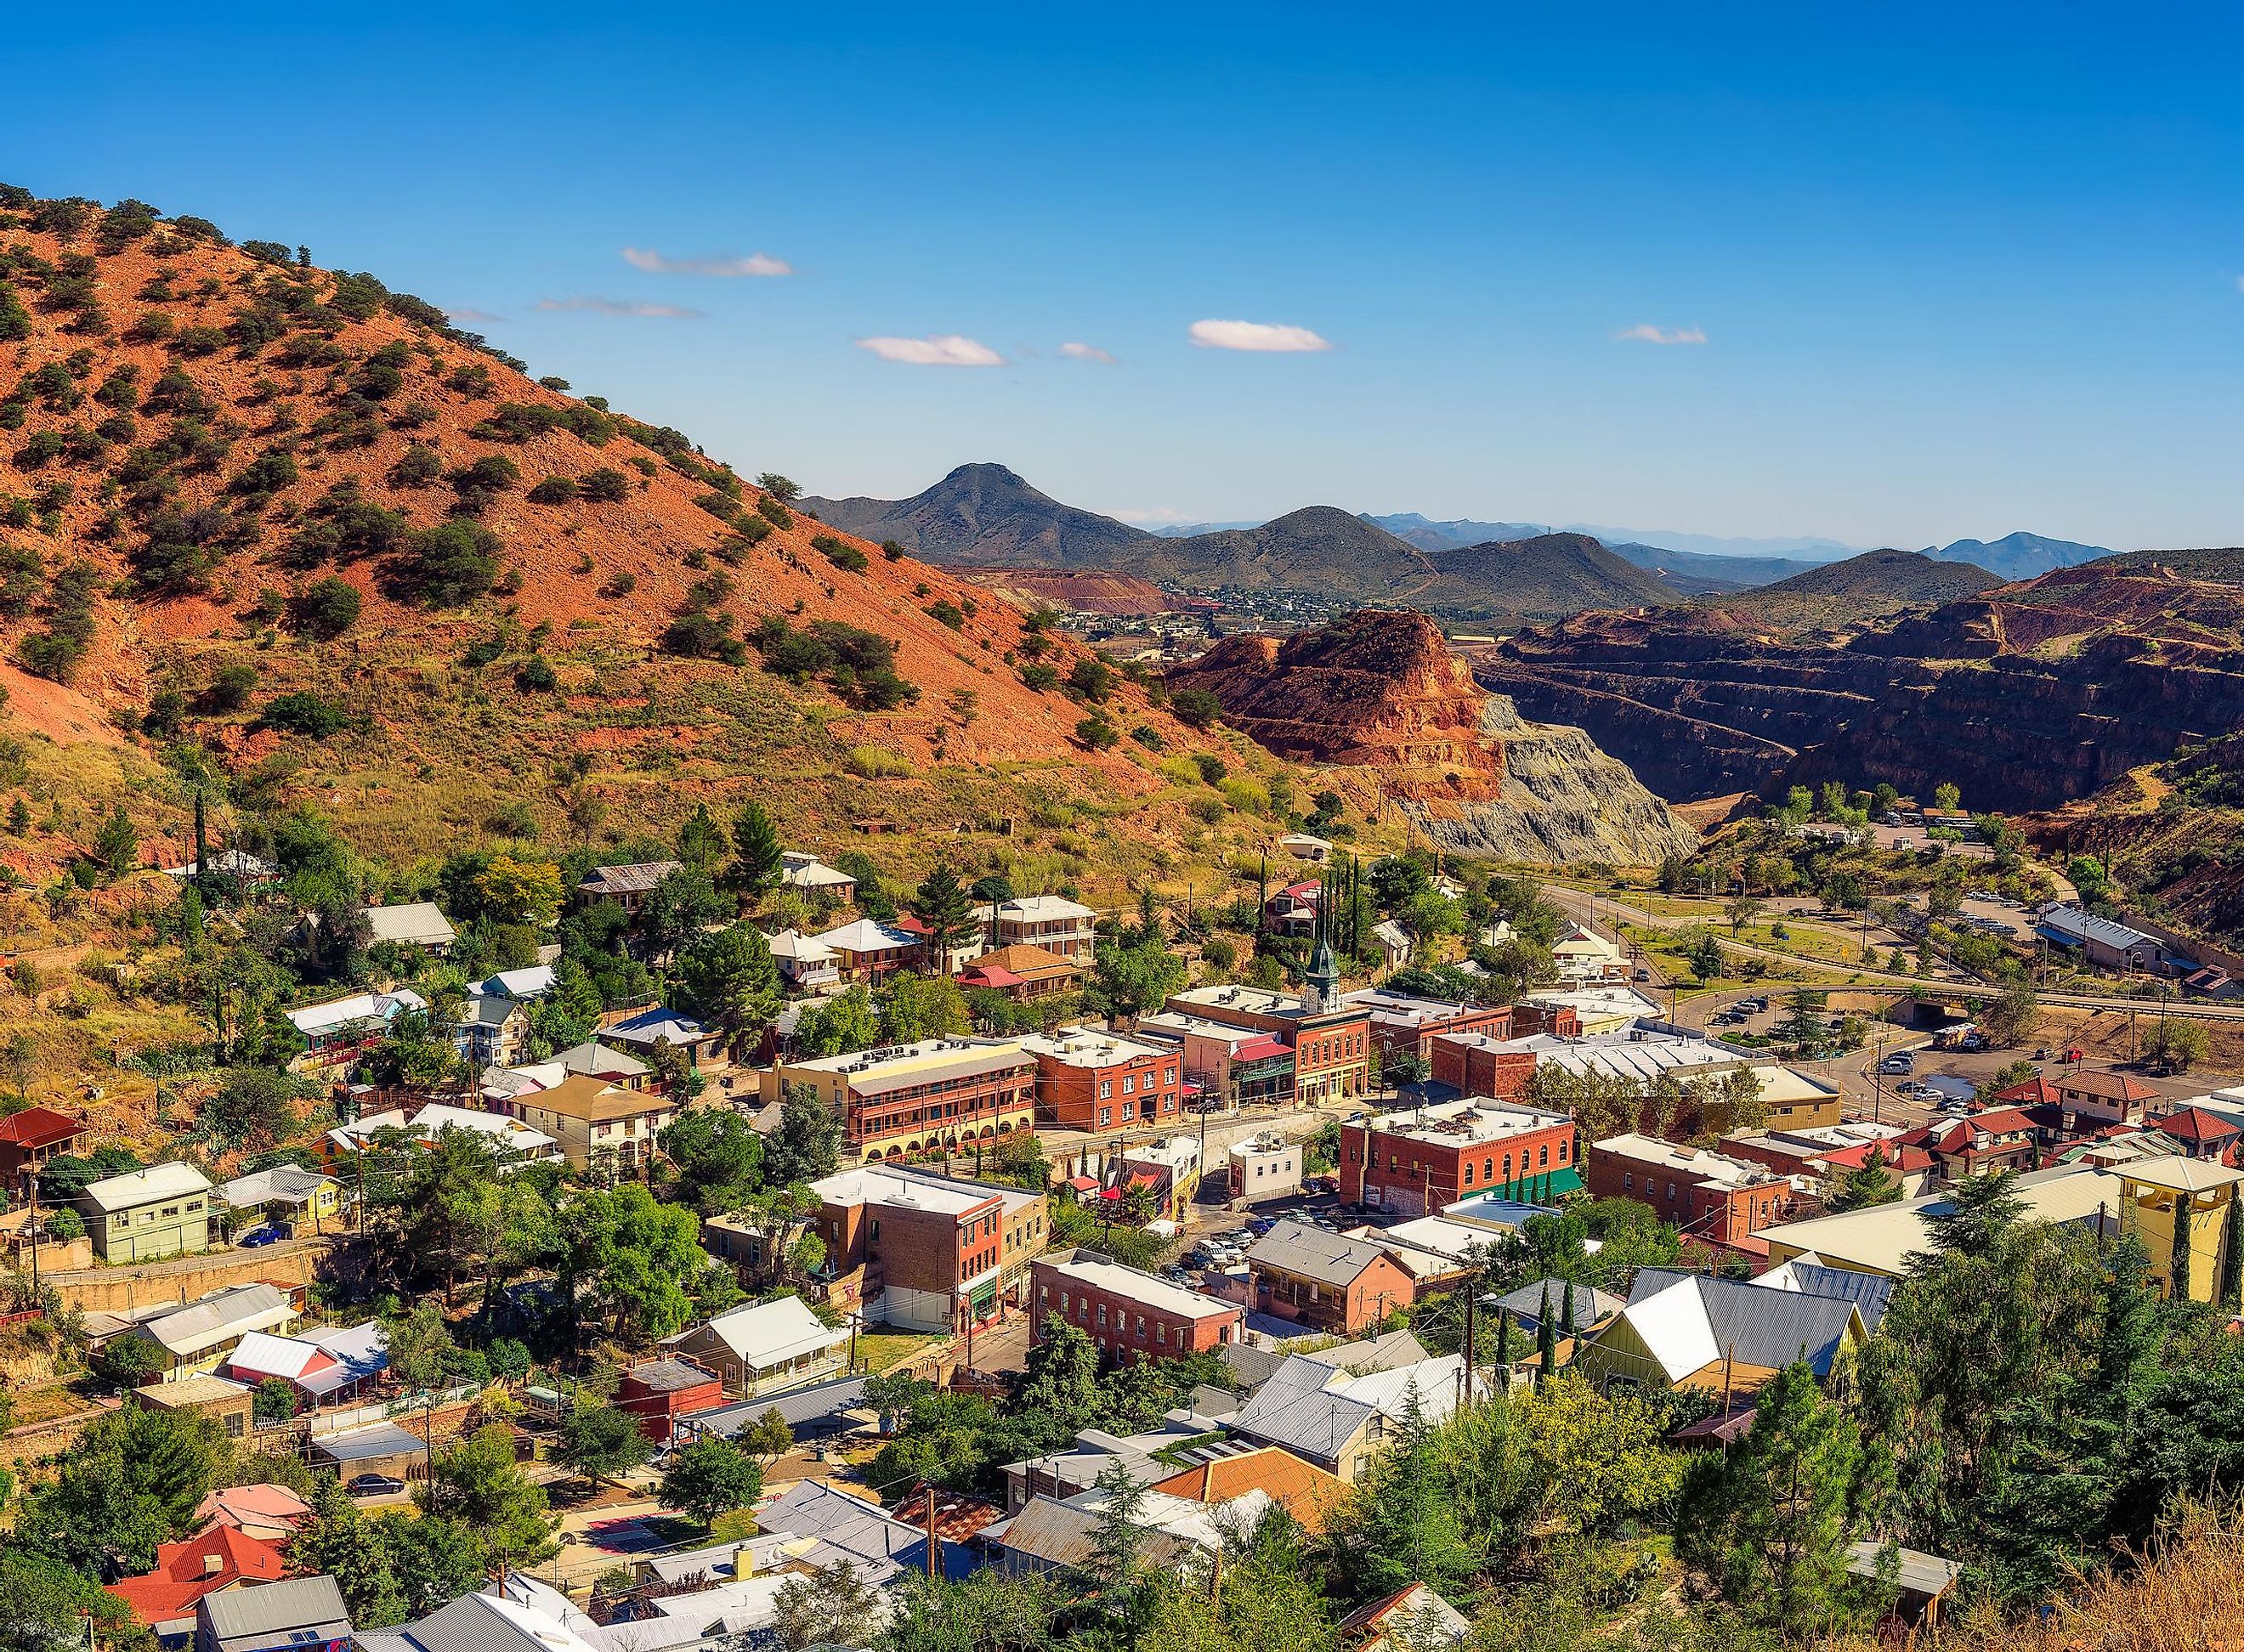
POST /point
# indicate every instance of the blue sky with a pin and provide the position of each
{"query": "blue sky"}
(1956, 270)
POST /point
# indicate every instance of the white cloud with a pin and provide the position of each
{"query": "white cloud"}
(937, 350)
(1645, 332)
(641, 257)
(466, 312)
(1075, 352)
(1255, 335)
(621, 306)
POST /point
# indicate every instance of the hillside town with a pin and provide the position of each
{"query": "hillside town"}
(737, 1248)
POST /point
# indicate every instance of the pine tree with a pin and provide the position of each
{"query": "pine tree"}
(117, 843)
(757, 851)
(1504, 1338)
(946, 907)
(201, 878)
(1566, 1312)
(701, 840)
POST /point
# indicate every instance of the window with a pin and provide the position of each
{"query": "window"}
(1129, 1083)
(1628, 1183)
(1488, 1169)
(1102, 1316)
(1106, 1087)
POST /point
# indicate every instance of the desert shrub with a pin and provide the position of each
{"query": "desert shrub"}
(535, 675)
(891, 551)
(327, 608)
(305, 713)
(1212, 768)
(419, 466)
(453, 562)
(553, 490)
(947, 612)
(475, 485)
(774, 512)
(230, 687)
(1040, 676)
(605, 486)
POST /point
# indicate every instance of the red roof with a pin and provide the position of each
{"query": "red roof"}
(184, 1574)
(2107, 1086)
(988, 975)
(38, 1127)
(1256, 1050)
(2035, 1091)
(2195, 1125)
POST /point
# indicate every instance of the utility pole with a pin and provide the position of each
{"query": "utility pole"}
(932, 1552)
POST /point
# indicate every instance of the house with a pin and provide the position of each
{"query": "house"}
(1722, 1337)
(926, 1252)
(1403, 1025)
(660, 1391)
(162, 1211)
(2107, 944)
(1413, 1619)
(1324, 1281)
(499, 1622)
(329, 1367)
(1342, 1420)
(1479, 1064)
(1022, 972)
(1166, 1172)
(1293, 910)
(803, 871)
(1131, 1315)
(27, 1140)
(1330, 1040)
(2178, 1209)
(831, 1524)
(1056, 924)
(1419, 1161)
(230, 1405)
(218, 1558)
(1049, 1535)
(528, 985)
(1997, 1138)
(767, 1344)
(301, 1195)
(596, 1122)
(805, 963)
(1180, 1439)
(378, 1449)
(269, 1513)
(510, 1139)
(1312, 1495)
(1089, 1080)
(906, 1100)
(493, 1030)
(628, 887)
(294, 1612)
(868, 951)
(228, 863)
(416, 923)
(336, 1032)
(2090, 1100)
(1790, 1100)
(196, 1337)
(1307, 845)
(1265, 1167)
(1880, 1239)
(1708, 1196)
(1393, 942)
(1586, 956)
(1591, 1307)
(500, 1085)
(820, 1412)
(652, 1029)
(2202, 1134)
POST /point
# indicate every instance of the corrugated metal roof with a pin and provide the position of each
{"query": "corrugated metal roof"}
(1329, 1259)
(295, 1603)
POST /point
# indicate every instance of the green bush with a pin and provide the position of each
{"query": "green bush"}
(327, 608)
(554, 490)
(305, 713)
(230, 688)
(1040, 676)
(840, 553)
(535, 675)
(605, 486)
(453, 562)
(419, 466)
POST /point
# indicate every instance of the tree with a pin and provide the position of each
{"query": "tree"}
(2011, 1018)
(732, 979)
(275, 1400)
(132, 1480)
(254, 1106)
(2231, 1256)
(1870, 1182)
(476, 1482)
(946, 907)
(829, 1605)
(1130, 980)
(1741, 910)
(840, 1025)
(453, 562)
(519, 891)
(1704, 954)
(1061, 1378)
(701, 840)
(1546, 1341)
(709, 1478)
(44, 1604)
(600, 1441)
(327, 608)
(770, 1437)
(680, 908)
(807, 1144)
(2185, 1248)
(1773, 1520)
(758, 856)
(719, 1158)
(917, 1007)
(638, 1263)
(116, 843)
(1945, 796)
(1118, 1536)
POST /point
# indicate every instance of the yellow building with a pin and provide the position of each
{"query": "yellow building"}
(2158, 1196)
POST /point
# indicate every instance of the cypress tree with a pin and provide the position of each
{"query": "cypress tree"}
(2231, 1256)
(1566, 1312)
(2183, 1221)
(1547, 1341)
(1504, 1338)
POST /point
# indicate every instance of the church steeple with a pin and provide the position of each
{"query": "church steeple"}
(1323, 973)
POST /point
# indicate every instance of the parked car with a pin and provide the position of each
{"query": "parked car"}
(375, 1485)
(258, 1237)
(1643, 975)
(1895, 1064)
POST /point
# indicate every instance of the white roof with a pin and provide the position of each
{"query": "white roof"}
(1674, 1325)
(803, 949)
(1041, 909)
(1471, 1123)
(808, 871)
(517, 983)
(1694, 1163)
(280, 1182)
(1088, 1047)
(1451, 1240)
(770, 1334)
(340, 1012)
(1101, 1274)
(1393, 933)
(416, 923)
(238, 863)
(136, 1188)
(272, 1356)
(432, 1121)
(865, 935)
(851, 1188)
(1880, 1239)
(1601, 1003)
(191, 1328)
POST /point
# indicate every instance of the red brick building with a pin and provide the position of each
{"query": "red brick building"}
(1406, 1026)
(1474, 1064)
(1326, 1281)
(936, 1252)
(660, 1391)
(1131, 1315)
(1087, 1080)
(1418, 1161)
(1708, 1196)
(1331, 1042)
(913, 1100)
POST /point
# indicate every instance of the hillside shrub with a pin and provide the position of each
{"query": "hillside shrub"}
(554, 490)
(872, 762)
(301, 712)
(476, 486)
(327, 608)
(451, 563)
(1039, 675)
(605, 486)
(840, 553)
(230, 688)
(535, 675)
(419, 466)
(774, 512)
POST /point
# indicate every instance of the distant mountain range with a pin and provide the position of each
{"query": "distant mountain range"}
(1870, 586)
(986, 516)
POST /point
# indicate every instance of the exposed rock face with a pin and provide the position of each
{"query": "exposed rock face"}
(1380, 692)
(2025, 697)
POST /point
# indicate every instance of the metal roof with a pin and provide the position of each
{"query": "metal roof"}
(797, 1405)
(311, 1608)
(357, 1445)
(233, 1311)
(1312, 1253)
(636, 879)
(136, 1188)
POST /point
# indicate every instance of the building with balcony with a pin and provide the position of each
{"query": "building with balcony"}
(598, 1123)
(1059, 925)
(1420, 1161)
(909, 1101)
(1089, 1080)
(1329, 1040)
(925, 1252)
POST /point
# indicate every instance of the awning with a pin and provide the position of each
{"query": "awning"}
(1256, 1050)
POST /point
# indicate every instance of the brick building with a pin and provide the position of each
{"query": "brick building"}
(1088, 1080)
(1406, 1026)
(908, 1101)
(1708, 1196)
(1476, 1064)
(1130, 1314)
(1330, 1040)
(1419, 1161)
(1326, 1281)
(932, 1253)
(660, 1391)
